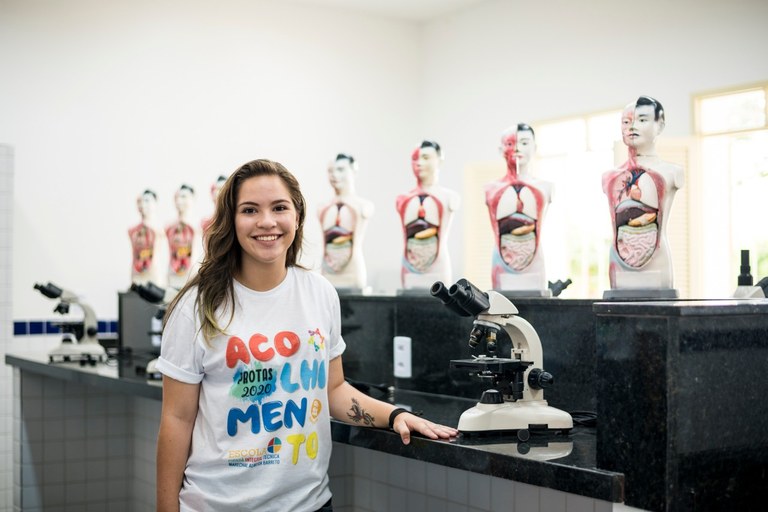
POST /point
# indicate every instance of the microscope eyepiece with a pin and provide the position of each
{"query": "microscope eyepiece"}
(463, 298)
(440, 291)
(50, 290)
(149, 292)
(469, 297)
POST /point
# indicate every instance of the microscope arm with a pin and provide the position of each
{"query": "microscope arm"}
(68, 297)
(525, 339)
(90, 324)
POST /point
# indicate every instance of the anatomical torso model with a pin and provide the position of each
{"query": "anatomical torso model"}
(148, 245)
(517, 204)
(426, 213)
(183, 240)
(344, 221)
(640, 194)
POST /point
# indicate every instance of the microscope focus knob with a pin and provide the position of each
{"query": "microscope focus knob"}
(492, 396)
(539, 379)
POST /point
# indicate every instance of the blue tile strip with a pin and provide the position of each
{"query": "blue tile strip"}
(20, 328)
(39, 327)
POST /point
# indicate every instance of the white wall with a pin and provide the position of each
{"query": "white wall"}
(102, 100)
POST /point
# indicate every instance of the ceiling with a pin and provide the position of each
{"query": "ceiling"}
(413, 10)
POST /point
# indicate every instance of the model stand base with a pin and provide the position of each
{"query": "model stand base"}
(641, 293)
(519, 294)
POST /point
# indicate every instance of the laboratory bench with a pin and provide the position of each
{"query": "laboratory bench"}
(560, 463)
(677, 389)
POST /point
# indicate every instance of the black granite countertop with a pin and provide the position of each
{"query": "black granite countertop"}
(691, 307)
(565, 463)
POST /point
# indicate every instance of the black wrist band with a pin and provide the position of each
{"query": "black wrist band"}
(394, 415)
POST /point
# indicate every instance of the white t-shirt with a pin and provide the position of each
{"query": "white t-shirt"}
(262, 436)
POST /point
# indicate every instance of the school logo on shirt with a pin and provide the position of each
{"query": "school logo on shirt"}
(274, 445)
(252, 457)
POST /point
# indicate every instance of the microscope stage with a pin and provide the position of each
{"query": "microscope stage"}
(497, 365)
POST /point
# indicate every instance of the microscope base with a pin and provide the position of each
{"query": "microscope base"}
(83, 353)
(521, 416)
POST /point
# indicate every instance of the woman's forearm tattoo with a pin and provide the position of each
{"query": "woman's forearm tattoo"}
(358, 414)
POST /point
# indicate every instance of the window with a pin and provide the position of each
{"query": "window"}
(574, 154)
(733, 128)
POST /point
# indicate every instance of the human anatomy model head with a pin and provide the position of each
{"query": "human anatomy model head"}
(518, 145)
(341, 174)
(425, 162)
(147, 204)
(641, 122)
(184, 198)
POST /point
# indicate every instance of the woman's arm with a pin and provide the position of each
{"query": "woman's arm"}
(349, 405)
(174, 439)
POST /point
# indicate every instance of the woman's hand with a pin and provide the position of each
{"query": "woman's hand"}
(405, 423)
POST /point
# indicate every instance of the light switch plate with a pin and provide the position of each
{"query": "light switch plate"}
(402, 353)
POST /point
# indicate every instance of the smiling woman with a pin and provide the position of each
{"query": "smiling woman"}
(251, 359)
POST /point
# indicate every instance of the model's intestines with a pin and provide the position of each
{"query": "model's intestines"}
(635, 195)
(339, 222)
(421, 220)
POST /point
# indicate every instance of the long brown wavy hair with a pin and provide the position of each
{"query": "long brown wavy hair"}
(223, 253)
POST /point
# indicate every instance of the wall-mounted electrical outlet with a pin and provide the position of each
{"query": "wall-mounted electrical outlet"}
(402, 351)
